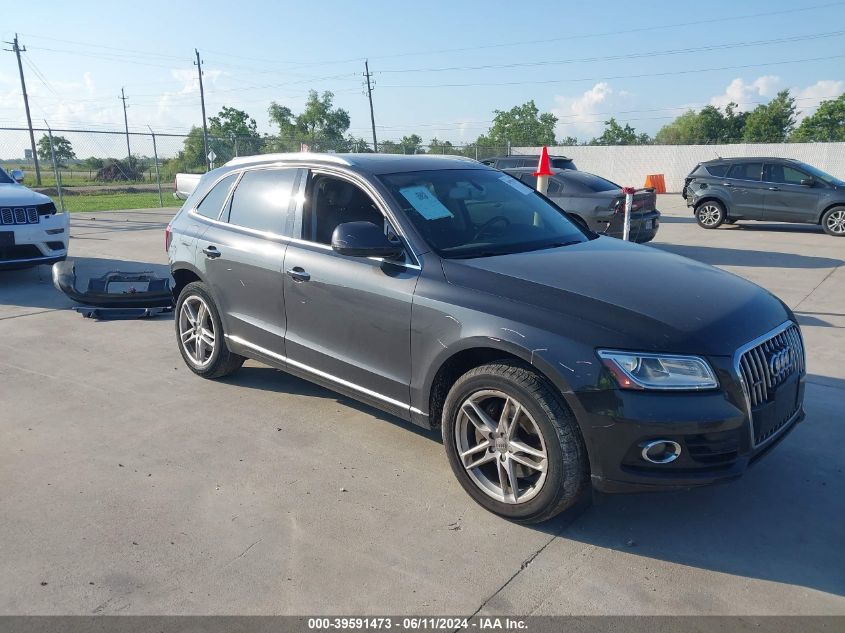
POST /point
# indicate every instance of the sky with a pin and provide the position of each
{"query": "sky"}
(441, 69)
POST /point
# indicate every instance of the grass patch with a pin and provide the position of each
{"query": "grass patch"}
(109, 201)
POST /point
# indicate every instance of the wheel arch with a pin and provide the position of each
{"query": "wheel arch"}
(833, 205)
(712, 198)
(182, 276)
(457, 361)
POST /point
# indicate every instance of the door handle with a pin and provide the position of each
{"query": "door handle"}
(298, 274)
(727, 184)
(774, 188)
(211, 252)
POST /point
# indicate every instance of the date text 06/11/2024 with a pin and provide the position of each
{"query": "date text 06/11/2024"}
(416, 623)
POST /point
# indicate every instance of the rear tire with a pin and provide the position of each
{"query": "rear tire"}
(536, 444)
(199, 334)
(710, 214)
(833, 221)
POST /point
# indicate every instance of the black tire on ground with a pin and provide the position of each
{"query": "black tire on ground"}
(710, 214)
(567, 478)
(222, 362)
(833, 221)
(730, 221)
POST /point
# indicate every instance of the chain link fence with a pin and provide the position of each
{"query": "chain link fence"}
(90, 170)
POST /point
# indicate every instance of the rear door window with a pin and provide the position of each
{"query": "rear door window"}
(746, 171)
(508, 163)
(529, 179)
(212, 204)
(262, 199)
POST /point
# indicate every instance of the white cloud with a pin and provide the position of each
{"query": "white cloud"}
(747, 94)
(582, 116)
(808, 99)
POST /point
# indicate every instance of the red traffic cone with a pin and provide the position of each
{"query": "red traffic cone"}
(544, 167)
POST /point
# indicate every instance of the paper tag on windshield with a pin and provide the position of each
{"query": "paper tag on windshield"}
(516, 184)
(425, 203)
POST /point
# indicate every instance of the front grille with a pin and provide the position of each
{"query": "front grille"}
(770, 363)
(19, 215)
(770, 373)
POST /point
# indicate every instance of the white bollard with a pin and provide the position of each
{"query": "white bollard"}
(629, 204)
(543, 184)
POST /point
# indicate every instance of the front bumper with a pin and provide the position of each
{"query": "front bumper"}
(43, 243)
(713, 429)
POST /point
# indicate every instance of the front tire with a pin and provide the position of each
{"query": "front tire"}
(199, 334)
(833, 221)
(710, 214)
(513, 444)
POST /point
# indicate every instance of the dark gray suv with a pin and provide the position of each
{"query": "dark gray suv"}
(454, 296)
(772, 189)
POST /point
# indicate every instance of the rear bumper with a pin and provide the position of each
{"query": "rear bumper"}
(712, 428)
(644, 226)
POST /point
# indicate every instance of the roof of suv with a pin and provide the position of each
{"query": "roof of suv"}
(734, 159)
(371, 163)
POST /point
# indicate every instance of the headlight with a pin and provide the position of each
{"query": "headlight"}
(635, 370)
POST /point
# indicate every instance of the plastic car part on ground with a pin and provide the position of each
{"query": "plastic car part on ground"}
(113, 294)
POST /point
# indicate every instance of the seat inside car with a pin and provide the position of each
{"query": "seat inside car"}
(337, 201)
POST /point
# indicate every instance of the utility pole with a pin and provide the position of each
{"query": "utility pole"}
(126, 124)
(17, 50)
(370, 97)
(198, 64)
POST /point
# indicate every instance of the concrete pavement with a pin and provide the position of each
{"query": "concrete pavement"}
(130, 486)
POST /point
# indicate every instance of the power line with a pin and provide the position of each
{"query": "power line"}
(627, 76)
(676, 51)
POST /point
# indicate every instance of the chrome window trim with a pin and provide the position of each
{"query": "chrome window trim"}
(195, 208)
(746, 389)
(326, 375)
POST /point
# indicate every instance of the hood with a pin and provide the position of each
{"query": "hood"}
(631, 296)
(15, 194)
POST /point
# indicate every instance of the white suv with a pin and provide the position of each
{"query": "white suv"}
(32, 232)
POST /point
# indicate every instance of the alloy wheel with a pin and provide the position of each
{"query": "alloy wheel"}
(836, 222)
(709, 214)
(501, 447)
(196, 330)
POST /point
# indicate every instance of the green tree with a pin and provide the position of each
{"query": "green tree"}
(192, 155)
(826, 124)
(709, 125)
(320, 125)
(615, 134)
(411, 144)
(436, 146)
(61, 147)
(232, 130)
(521, 125)
(771, 122)
(569, 140)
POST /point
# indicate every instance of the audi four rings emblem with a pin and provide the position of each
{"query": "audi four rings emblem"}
(780, 363)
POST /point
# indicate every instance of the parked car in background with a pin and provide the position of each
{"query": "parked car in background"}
(455, 296)
(32, 231)
(527, 160)
(726, 190)
(598, 202)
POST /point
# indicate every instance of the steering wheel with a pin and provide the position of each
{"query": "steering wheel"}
(489, 223)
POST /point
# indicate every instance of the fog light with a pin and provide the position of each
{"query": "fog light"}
(661, 451)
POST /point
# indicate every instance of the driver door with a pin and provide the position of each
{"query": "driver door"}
(348, 318)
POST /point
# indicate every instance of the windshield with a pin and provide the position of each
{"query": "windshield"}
(476, 213)
(818, 173)
(5, 179)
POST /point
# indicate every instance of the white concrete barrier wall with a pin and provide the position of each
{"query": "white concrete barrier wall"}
(628, 165)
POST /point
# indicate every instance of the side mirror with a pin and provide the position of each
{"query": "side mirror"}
(17, 175)
(808, 182)
(364, 239)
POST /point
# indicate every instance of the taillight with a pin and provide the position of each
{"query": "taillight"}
(167, 238)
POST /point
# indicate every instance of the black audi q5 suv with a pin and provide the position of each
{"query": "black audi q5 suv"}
(454, 296)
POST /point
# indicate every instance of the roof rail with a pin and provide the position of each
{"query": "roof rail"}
(260, 158)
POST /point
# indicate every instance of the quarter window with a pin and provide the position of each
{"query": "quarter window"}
(717, 170)
(213, 202)
(262, 199)
(746, 171)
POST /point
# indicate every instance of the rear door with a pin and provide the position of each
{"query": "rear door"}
(786, 199)
(244, 253)
(744, 185)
